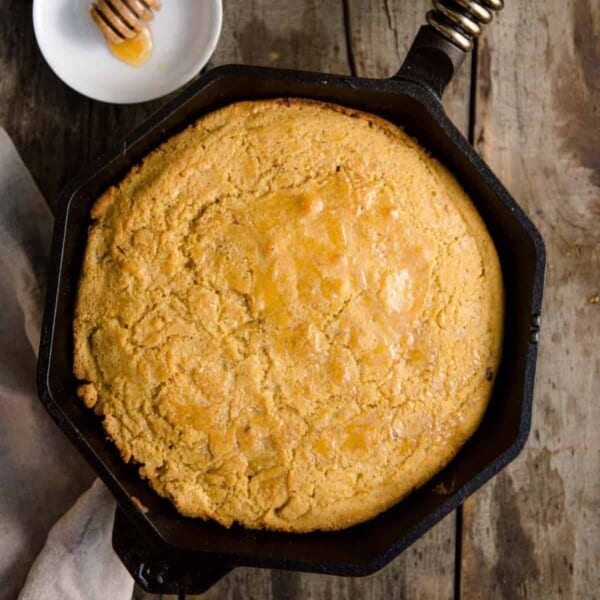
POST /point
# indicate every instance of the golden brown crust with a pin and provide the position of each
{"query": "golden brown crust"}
(88, 394)
(103, 203)
(288, 315)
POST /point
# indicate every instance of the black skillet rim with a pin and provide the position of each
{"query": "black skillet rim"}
(432, 105)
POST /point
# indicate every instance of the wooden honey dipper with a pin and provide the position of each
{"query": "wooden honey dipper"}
(124, 25)
(121, 20)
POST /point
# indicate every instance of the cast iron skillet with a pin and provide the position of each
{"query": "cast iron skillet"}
(186, 555)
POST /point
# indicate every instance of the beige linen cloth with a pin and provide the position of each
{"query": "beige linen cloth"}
(55, 542)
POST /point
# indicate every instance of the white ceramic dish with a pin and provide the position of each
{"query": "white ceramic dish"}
(185, 36)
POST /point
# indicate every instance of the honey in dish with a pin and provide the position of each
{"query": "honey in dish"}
(136, 51)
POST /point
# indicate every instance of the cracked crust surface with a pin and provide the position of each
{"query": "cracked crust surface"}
(288, 316)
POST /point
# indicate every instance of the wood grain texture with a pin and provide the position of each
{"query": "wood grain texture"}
(534, 531)
(381, 32)
(48, 122)
(306, 35)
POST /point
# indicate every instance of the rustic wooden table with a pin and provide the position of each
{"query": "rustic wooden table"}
(530, 102)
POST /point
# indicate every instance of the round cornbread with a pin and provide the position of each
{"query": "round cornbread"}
(289, 315)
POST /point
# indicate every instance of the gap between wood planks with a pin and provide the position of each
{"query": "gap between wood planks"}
(348, 35)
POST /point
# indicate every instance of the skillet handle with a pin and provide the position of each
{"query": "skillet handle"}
(158, 568)
(442, 45)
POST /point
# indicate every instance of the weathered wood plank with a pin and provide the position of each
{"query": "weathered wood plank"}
(305, 35)
(47, 121)
(534, 531)
(381, 33)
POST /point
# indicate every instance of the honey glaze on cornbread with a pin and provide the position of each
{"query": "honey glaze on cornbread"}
(286, 316)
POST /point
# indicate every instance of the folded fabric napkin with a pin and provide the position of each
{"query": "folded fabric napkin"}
(41, 474)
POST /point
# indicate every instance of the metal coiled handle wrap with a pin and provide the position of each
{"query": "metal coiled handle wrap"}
(460, 21)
